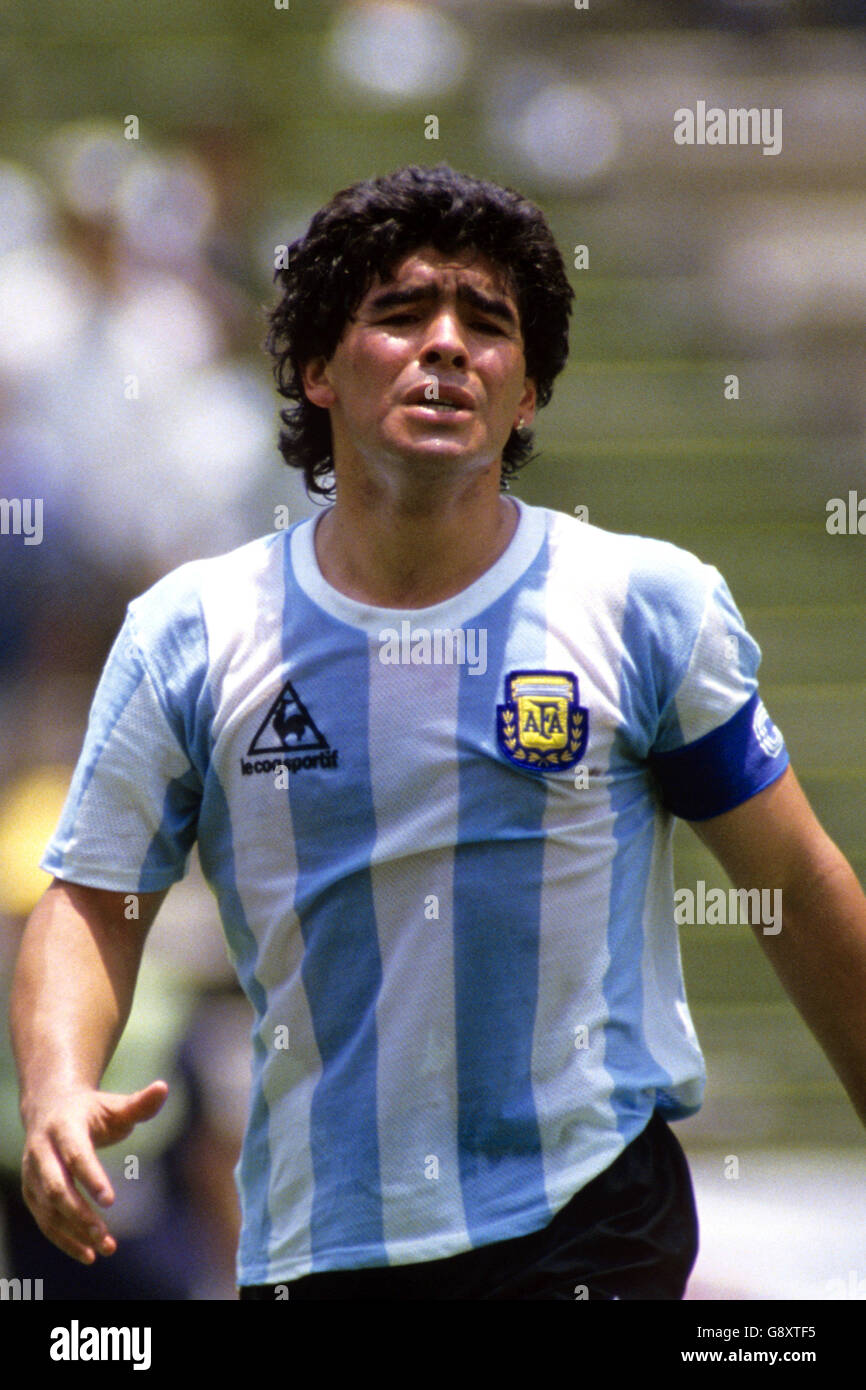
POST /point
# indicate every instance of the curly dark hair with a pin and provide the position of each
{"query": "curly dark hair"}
(364, 231)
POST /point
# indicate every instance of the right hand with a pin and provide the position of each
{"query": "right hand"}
(62, 1136)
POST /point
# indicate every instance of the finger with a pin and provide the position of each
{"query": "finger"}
(119, 1114)
(78, 1157)
(86, 1169)
(59, 1209)
(150, 1101)
(83, 1252)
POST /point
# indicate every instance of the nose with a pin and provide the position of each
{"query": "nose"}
(444, 342)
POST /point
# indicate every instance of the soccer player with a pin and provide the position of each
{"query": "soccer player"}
(431, 744)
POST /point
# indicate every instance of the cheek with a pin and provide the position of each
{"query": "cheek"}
(505, 374)
(510, 391)
(372, 370)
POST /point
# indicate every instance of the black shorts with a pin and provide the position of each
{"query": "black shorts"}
(631, 1233)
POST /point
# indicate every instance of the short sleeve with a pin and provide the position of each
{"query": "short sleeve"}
(716, 745)
(130, 818)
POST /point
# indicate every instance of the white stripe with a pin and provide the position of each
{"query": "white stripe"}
(119, 812)
(415, 803)
(569, 1081)
(709, 699)
(668, 1029)
(244, 615)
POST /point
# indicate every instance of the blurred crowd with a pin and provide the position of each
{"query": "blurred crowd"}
(135, 405)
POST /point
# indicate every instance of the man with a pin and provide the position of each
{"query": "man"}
(431, 745)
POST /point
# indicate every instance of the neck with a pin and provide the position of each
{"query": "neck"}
(399, 551)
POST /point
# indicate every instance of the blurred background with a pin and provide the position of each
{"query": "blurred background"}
(152, 160)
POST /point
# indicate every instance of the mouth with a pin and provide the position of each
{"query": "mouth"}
(448, 401)
(439, 408)
(441, 418)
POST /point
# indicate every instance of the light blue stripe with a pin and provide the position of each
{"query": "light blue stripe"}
(646, 619)
(216, 851)
(177, 664)
(171, 843)
(122, 675)
(663, 610)
(633, 1070)
(748, 651)
(498, 881)
(177, 660)
(328, 664)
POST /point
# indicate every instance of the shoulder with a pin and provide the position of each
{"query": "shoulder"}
(652, 574)
(179, 604)
(652, 603)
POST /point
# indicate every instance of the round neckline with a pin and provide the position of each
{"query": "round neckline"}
(489, 586)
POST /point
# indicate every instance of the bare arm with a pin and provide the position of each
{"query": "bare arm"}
(775, 841)
(71, 997)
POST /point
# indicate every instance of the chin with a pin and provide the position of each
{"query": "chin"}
(434, 455)
(433, 451)
(447, 460)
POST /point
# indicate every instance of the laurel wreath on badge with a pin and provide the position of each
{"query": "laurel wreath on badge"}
(566, 755)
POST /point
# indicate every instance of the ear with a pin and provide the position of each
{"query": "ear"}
(527, 403)
(317, 383)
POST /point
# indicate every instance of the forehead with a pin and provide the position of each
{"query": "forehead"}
(443, 269)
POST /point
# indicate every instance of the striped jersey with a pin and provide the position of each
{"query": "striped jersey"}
(441, 845)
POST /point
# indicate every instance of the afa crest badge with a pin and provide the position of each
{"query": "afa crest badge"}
(542, 726)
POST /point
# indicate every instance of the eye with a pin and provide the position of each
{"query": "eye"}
(400, 318)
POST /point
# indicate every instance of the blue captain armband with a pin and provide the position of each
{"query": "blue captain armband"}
(724, 768)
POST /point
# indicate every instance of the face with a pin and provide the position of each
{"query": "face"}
(430, 373)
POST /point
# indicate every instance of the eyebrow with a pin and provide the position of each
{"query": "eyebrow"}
(488, 304)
